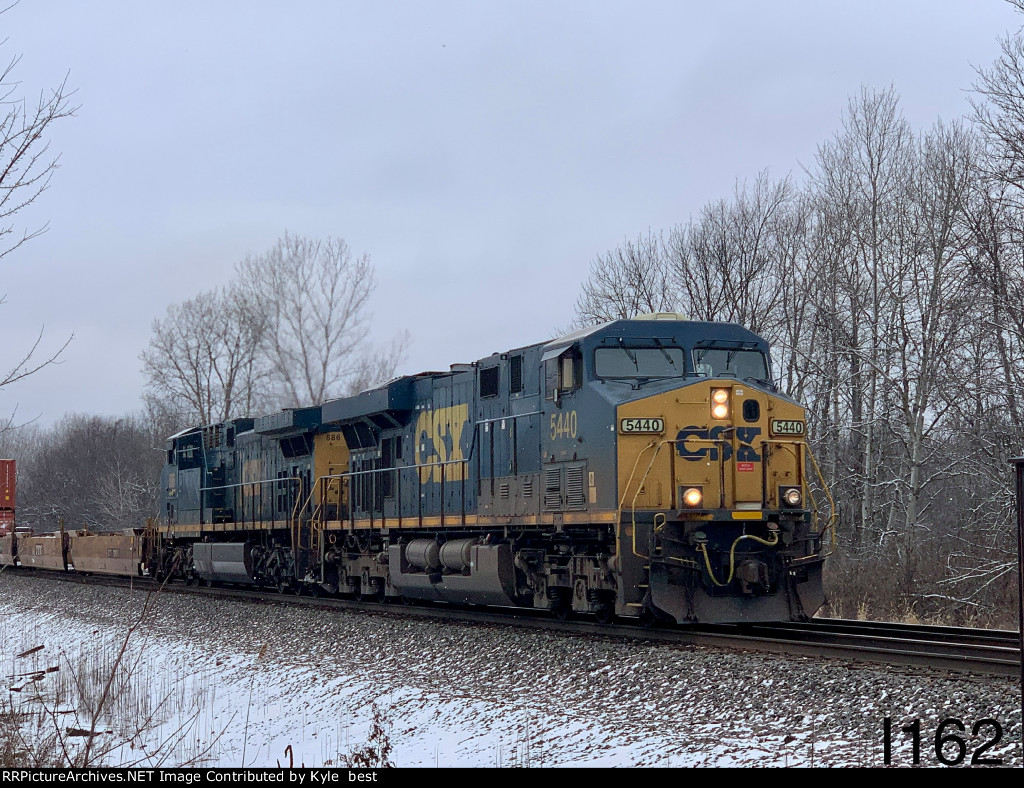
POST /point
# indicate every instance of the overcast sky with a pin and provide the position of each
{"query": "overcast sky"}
(481, 152)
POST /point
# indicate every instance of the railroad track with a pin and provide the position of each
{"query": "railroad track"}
(957, 649)
(941, 648)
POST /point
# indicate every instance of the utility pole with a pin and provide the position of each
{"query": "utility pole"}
(1018, 464)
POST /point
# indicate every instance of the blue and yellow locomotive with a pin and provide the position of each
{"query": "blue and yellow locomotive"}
(644, 468)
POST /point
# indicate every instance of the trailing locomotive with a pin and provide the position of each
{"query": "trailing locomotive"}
(644, 468)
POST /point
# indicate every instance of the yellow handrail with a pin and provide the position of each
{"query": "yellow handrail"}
(830, 524)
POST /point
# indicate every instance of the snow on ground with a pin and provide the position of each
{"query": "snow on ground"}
(229, 683)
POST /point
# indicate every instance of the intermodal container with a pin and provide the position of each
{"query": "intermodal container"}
(6, 496)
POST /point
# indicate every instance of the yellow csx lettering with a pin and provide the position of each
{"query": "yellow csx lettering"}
(563, 425)
(439, 440)
(252, 473)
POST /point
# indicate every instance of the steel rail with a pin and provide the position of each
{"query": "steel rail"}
(942, 648)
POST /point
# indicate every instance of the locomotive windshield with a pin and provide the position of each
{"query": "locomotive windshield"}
(639, 362)
(734, 362)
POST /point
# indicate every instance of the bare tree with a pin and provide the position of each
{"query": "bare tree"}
(202, 357)
(931, 298)
(725, 263)
(624, 282)
(999, 110)
(372, 370)
(313, 295)
(91, 471)
(794, 353)
(859, 182)
(26, 167)
(891, 288)
(29, 363)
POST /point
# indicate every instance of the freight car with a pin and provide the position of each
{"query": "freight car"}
(46, 551)
(647, 469)
(116, 553)
(8, 550)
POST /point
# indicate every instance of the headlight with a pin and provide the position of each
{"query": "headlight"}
(693, 497)
(791, 497)
(719, 403)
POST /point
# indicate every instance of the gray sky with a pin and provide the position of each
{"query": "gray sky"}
(482, 153)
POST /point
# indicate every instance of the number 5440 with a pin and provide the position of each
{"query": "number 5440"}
(563, 425)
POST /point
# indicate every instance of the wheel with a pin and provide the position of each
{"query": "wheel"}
(208, 583)
(605, 615)
(376, 594)
(648, 618)
(282, 587)
(562, 609)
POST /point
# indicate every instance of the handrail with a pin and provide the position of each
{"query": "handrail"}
(347, 475)
(830, 524)
(295, 524)
(672, 494)
(833, 518)
(297, 479)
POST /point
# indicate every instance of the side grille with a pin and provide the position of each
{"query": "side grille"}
(553, 488)
(574, 495)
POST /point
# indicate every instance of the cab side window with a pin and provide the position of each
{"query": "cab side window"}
(563, 374)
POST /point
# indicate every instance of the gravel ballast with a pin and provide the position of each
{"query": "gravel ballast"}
(270, 682)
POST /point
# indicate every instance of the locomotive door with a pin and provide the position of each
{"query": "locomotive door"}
(216, 496)
(746, 464)
(496, 436)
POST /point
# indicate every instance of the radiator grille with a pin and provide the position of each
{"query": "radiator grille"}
(574, 495)
(553, 488)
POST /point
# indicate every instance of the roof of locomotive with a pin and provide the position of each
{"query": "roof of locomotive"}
(397, 395)
(661, 325)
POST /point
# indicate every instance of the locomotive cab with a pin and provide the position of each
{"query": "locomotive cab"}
(715, 500)
(673, 431)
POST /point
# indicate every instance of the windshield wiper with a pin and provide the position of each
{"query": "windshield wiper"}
(664, 352)
(630, 354)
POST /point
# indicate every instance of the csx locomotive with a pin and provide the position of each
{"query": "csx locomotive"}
(644, 469)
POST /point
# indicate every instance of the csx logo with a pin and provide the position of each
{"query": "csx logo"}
(439, 440)
(703, 448)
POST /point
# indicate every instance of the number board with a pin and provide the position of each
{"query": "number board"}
(634, 426)
(787, 427)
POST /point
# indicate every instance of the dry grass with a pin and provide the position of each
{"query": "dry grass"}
(100, 703)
